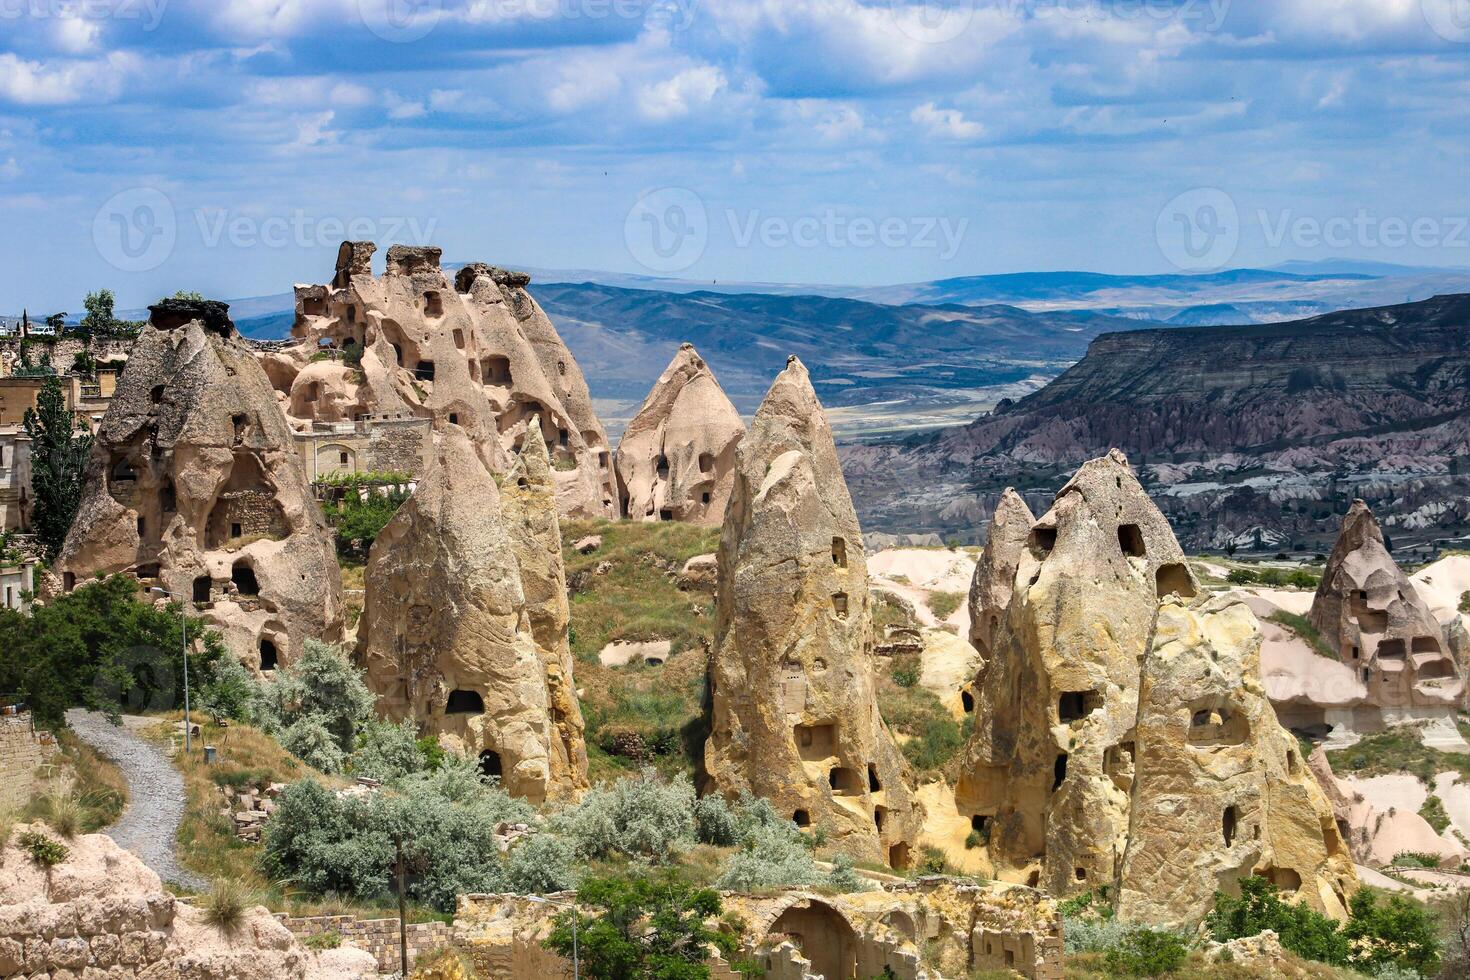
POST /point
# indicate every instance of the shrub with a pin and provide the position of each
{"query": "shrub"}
(943, 604)
(638, 817)
(62, 812)
(43, 850)
(331, 939)
(1416, 859)
(1394, 931)
(844, 877)
(387, 751)
(324, 699)
(1240, 576)
(1433, 811)
(1081, 935)
(1146, 953)
(905, 670)
(714, 821)
(1302, 931)
(540, 863)
(225, 905)
(229, 691)
(932, 861)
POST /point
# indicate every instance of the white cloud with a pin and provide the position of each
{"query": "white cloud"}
(945, 123)
(77, 35)
(10, 169)
(680, 95)
(312, 130)
(401, 108)
(64, 82)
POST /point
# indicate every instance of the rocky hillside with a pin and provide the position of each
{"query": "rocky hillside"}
(1253, 434)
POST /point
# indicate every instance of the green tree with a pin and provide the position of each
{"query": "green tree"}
(1303, 931)
(57, 322)
(650, 927)
(58, 463)
(101, 646)
(359, 522)
(1395, 930)
(101, 319)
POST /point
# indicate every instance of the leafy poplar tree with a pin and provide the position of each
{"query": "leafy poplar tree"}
(58, 462)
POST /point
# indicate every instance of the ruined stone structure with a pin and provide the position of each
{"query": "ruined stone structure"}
(448, 639)
(995, 572)
(1367, 609)
(1122, 735)
(194, 486)
(676, 461)
(371, 445)
(795, 934)
(529, 506)
(1219, 789)
(791, 679)
(478, 353)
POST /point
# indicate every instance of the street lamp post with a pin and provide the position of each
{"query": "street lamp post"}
(576, 959)
(184, 636)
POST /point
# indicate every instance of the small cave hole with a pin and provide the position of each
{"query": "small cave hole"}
(490, 764)
(1227, 825)
(202, 585)
(873, 784)
(801, 818)
(244, 578)
(1059, 771)
(1043, 540)
(967, 701)
(462, 702)
(839, 552)
(1130, 540)
(268, 655)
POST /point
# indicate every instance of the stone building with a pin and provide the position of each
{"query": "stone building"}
(371, 444)
(195, 487)
(478, 353)
(926, 928)
(676, 460)
(791, 680)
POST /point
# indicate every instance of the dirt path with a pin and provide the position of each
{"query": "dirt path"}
(150, 824)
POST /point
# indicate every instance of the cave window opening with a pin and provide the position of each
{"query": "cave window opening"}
(706, 462)
(661, 468)
(1081, 874)
(1059, 771)
(244, 578)
(563, 438)
(1076, 705)
(839, 552)
(123, 472)
(845, 782)
(156, 395)
(1043, 540)
(142, 526)
(235, 530)
(666, 515)
(561, 368)
(453, 420)
(979, 823)
(967, 701)
(839, 605)
(202, 585)
(459, 338)
(1174, 577)
(873, 784)
(898, 856)
(1130, 540)
(490, 764)
(424, 371)
(462, 702)
(268, 655)
(880, 814)
(68, 580)
(704, 497)
(168, 498)
(801, 818)
(434, 305)
(1227, 825)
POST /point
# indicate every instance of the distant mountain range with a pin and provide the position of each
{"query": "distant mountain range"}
(1254, 433)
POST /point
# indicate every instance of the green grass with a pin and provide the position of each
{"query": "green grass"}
(1303, 628)
(930, 738)
(1398, 750)
(943, 604)
(1433, 811)
(638, 597)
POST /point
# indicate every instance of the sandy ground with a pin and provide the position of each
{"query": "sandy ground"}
(1292, 670)
(1454, 793)
(1396, 826)
(1378, 879)
(914, 573)
(1399, 791)
(1441, 584)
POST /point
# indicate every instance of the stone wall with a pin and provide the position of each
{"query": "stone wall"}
(91, 935)
(378, 936)
(21, 756)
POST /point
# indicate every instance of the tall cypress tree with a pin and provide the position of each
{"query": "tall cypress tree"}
(58, 463)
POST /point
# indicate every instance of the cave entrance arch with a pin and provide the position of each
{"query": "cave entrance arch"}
(823, 935)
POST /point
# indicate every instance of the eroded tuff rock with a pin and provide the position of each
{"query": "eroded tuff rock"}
(478, 353)
(448, 637)
(528, 499)
(1122, 733)
(194, 486)
(1061, 689)
(676, 460)
(794, 717)
(995, 572)
(1368, 610)
(1219, 789)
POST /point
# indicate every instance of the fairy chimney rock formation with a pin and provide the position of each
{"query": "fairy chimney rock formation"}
(995, 572)
(446, 636)
(1219, 789)
(478, 353)
(194, 486)
(1122, 736)
(529, 501)
(676, 460)
(791, 680)
(1369, 611)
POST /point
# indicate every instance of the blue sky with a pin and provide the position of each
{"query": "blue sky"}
(227, 145)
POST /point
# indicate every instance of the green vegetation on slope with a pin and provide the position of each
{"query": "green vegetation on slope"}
(1303, 628)
(1399, 750)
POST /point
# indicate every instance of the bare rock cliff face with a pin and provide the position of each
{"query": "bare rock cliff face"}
(1114, 702)
(448, 637)
(676, 461)
(1220, 790)
(194, 486)
(478, 353)
(529, 501)
(1367, 609)
(794, 717)
(995, 572)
